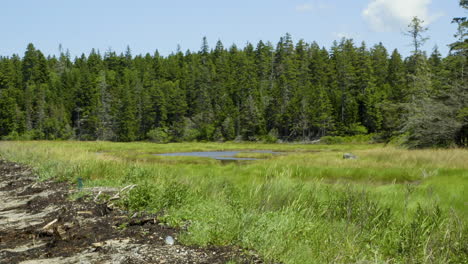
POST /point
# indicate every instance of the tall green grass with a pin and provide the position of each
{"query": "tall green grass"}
(306, 206)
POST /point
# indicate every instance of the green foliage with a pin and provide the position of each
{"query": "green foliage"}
(359, 139)
(30, 135)
(156, 198)
(159, 135)
(430, 109)
(463, 115)
(462, 135)
(7, 114)
(356, 129)
(141, 197)
(431, 124)
(271, 137)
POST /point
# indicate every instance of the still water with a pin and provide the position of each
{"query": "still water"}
(219, 155)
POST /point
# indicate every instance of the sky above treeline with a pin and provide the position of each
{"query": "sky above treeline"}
(147, 25)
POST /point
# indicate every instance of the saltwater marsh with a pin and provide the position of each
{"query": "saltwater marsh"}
(306, 205)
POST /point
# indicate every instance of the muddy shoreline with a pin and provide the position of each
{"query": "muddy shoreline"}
(39, 223)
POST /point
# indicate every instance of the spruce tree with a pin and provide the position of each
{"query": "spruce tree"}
(7, 113)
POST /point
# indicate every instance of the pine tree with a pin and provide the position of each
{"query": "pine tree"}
(105, 125)
(344, 58)
(437, 71)
(319, 65)
(321, 113)
(430, 116)
(30, 61)
(264, 62)
(396, 77)
(86, 102)
(416, 31)
(7, 113)
(285, 85)
(380, 68)
(369, 93)
(126, 120)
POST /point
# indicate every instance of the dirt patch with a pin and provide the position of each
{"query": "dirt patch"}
(40, 224)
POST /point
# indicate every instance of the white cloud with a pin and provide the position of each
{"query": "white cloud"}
(304, 7)
(392, 15)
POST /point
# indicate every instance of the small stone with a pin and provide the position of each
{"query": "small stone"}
(99, 244)
(169, 240)
(349, 156)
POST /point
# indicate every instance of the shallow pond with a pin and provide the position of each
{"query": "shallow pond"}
(219, 155)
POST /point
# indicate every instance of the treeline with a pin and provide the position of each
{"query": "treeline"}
(290, 91)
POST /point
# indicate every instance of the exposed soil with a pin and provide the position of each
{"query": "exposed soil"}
(39, 223)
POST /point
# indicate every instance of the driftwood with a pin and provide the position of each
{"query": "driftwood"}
(118, 195)
(84, 212)
(51, 229)
(50, 224)
(97, 196)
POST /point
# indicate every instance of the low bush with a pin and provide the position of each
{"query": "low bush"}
(159, 135)
(358, 139)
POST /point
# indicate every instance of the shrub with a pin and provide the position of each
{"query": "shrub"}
(141, 198)
(159, 135)
(356, 129)
(156, 198)
(271, 137)
(29, 135)
(330, 140)
(12, 136)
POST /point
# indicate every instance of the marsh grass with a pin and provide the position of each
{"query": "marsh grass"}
(309, 206)
(254, 155)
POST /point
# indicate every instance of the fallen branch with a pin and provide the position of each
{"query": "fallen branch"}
(50, 224)
(85, 212)
(97, 196)
(129, 187)
(117, 195)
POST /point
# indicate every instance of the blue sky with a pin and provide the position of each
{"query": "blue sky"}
(144, 25)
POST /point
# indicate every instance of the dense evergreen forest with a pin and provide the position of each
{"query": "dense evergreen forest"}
(288, 91)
